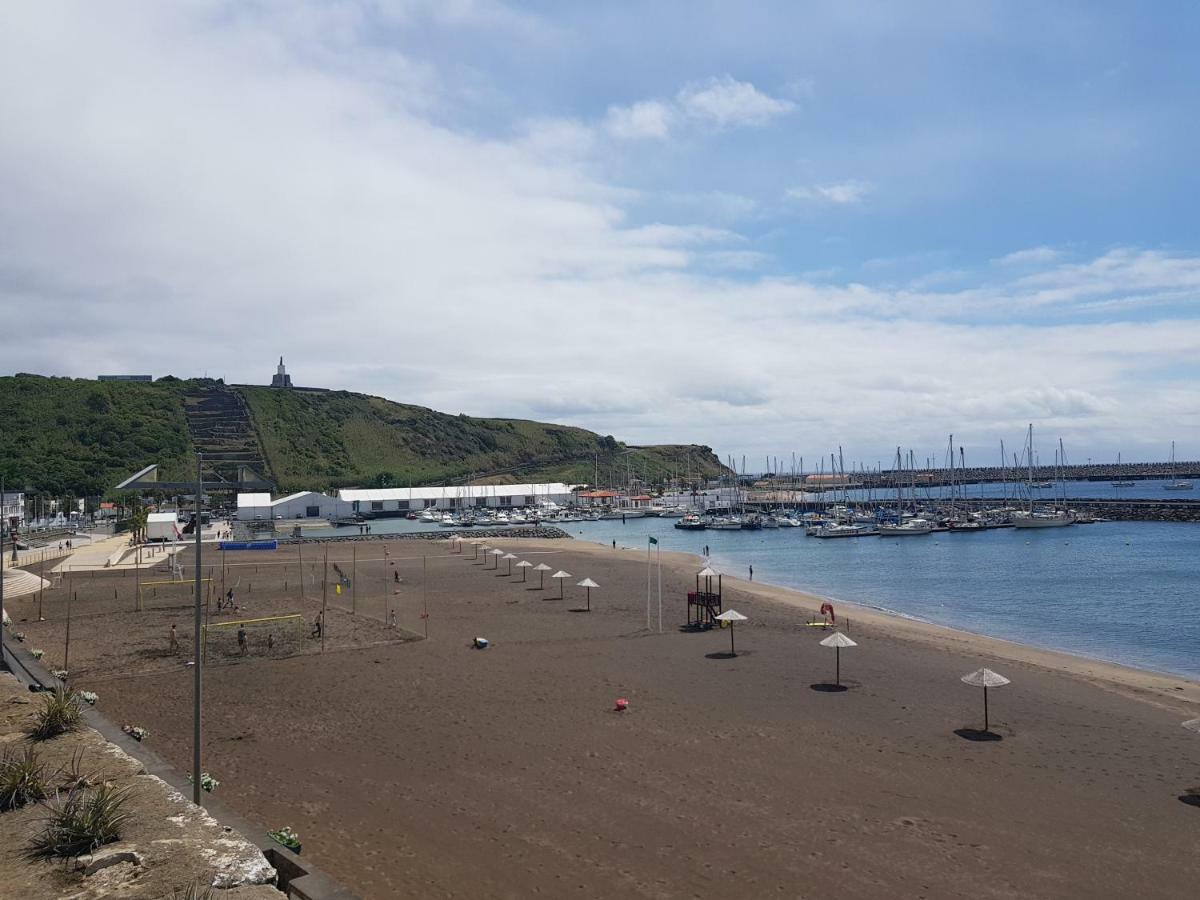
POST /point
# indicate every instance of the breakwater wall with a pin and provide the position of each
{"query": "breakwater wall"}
(1122, 510)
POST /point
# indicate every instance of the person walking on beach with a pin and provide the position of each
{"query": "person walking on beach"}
(752, 573)
(396, 576)
(173, 640)
(614, 543)
(242, 646)
(317, 623)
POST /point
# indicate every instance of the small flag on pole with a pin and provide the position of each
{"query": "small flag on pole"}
(654, 540)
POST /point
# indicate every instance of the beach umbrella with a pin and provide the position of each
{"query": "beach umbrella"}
(475, 550)
(541, 569)
(510, 557)
(731, 616)
(837, 641)
(560, 575)
(496, 554)
(524, 565)
(589, 584)
(985, 678)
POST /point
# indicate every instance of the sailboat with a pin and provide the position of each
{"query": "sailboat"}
(1176, 484)
(903, 528)
(1121, 483)
(1029, 519)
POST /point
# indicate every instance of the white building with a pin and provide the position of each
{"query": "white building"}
(383, 502)
(399, 501)
(12, 506)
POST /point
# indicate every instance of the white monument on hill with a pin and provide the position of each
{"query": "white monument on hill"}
(282, 379)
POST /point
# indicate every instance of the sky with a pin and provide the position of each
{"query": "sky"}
(772, 228)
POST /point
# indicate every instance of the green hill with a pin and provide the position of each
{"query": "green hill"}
(72, 437)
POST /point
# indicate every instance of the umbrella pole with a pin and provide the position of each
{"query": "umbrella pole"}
(985, 709)
(837, 665)
(732, 649)
(589, 599)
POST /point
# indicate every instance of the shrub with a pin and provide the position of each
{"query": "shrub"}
(59, 714)
(80, 822)
(287, 837)
(207, 782)
(22, 779)
(73, 775)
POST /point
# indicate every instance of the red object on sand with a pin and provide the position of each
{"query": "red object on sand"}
(622, 704)
(827, 608)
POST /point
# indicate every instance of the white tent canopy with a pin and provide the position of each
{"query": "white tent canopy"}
(707, 572)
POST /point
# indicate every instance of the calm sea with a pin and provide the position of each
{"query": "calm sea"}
(1127, 592)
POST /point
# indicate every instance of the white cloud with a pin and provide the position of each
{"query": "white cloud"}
(841, 193)
(648, 119)
(1032, 256)
(162, 178)
(726, 102)
(722, 102)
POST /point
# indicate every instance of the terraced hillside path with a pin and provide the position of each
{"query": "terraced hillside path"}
(221, 429)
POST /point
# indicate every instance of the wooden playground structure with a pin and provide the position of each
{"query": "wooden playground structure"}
(704, 605)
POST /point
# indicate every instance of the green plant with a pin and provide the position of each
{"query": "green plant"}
(73, 774)
(286, 837)
(22, 779)
(207, 782)
(80, 822)
(59, 714)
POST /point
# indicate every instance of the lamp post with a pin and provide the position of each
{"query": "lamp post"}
(196, 664)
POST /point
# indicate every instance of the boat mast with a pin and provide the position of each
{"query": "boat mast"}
(1030, 449)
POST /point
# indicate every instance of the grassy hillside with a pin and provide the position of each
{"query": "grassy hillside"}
(333, 439)
(70, 437)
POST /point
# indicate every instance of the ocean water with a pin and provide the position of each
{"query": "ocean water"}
(1126, 592)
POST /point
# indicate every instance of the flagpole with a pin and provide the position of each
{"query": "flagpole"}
(648, 539)
(660, 588)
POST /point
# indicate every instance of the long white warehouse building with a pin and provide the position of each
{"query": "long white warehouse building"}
(383, 502)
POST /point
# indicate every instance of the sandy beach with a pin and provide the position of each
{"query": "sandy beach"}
(426, 768)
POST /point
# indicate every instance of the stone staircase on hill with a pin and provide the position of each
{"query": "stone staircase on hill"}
(221, 430)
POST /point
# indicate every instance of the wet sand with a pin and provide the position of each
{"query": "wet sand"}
(426, 768)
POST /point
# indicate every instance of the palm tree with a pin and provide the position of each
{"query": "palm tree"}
(137, 523)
